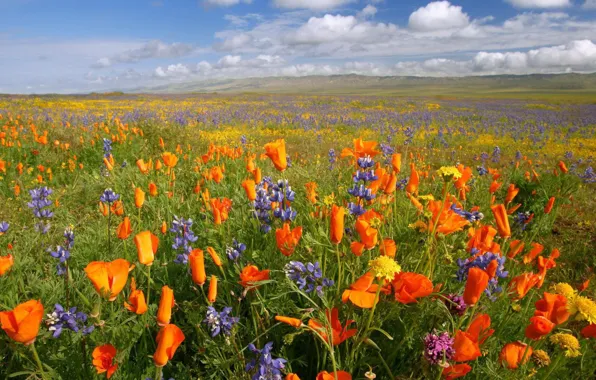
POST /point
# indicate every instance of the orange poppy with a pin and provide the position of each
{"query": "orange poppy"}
(196, 261)
(294, 322)
(153, 189)
(168, 340)
(6, 262)
(250, 189)
(212, 294)
(256, 174)
(388, 247)
(396, 162)
(103, 359)
(448, 220)
(339, 333)
(414, 181)
(535, 251)
(512, 192)
(117, 208)
(220, 208)
(124, 229)
(337, 224)
(545, 264)
(563, 167)
(514, 354)
(287, 239)
(480, 329)
(515, 248)
(104, 209)
(276, 151)
(521, 285)
(361, 149)
(500, 214)
(311, 192)
(553, 307)
(410, 286)
(214, 256)
(339, 375)
(539, 326)
(217, 174)
(362, 293)
(146, 244)
(139, 197)
(143, 167)
(466, 347)
(460, 183)
(136, 299)
(549, 205)
(170, 160)
(494, 186)
(22, 323)
(456, 371)
(475, 285)
(483, 240)
(108, 278)
(166, 303)
(292, 376)
(368, 235)
(251, 274)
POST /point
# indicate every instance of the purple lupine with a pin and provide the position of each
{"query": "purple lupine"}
(482, 262)
(359, 190)
(183, 237)
(471, 217)
(332, 158)
(282, 194)
(72, 319)
(235, 251)
(107, 148)
(522, 219)
(39, 204)
(266, 367)
(308, 277)
(220, 322)
(109, 196)
(3, 228)
(438, 348)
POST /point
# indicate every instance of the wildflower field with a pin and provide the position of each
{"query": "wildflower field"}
(296, 237)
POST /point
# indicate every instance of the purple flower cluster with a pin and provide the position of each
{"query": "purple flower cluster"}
(72, 320)
(522, 219)
(359, 190)
(308, 277)
(266, 367)
(469, 216)
(220, 322)
(183, 237)
(3, 228)
(589, 176)
(235, 251)
(39, 204)
(282, 193)
(332, 158)
(482, 262)
(109, 196)
(438, 348)
(456, 304)
(107, 147)
(262, 204)
(481, 170)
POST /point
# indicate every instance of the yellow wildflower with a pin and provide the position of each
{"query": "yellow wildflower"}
(384, 267)
(568, 343)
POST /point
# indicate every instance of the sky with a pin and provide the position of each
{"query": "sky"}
(68, 46)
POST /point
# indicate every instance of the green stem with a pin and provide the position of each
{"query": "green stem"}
(385, 365)
(553, 367)
(339, 279)
(38, 361)
(158, 373)
(148, 283)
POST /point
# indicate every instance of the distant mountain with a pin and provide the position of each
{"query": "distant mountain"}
(497, 85)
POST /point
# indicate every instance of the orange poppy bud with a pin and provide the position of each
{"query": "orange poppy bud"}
(143, 167)
(515, 248)
(124, 229)
(583, 286)
(136, 299)
(153, 189)
(117, 208)
(168, 340)
(563, 167)
(103, 359)
(513, 209)
(494, 186)
(512, 192)
(539, 326)
(501, 219)
(396, 162)
(414, 181)
(214, 256)
(287, 239)
(549, 205)
(294, 322)
(108, 278)
(166, 303)
(257, 176)
(337, 224)
(292, 376)
(22, 323)
(250, 189)
(521, 285)
(162, 144)
(139, 197)
(534, 252)
(251, 274)
(388, 247)
(146, 244)
(108, 165)
(6, 262)
(411, 286)
(456, 371)
(164, 227)
(276, 151)
(157, 165)
(220, 209)
(170, 160)
(514, 354)
(337, 375)
(196, 260)
(212, 294)
(475, 285)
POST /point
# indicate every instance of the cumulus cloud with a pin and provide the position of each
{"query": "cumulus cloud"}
(368, 11)
(149, 50)
(226, 3)
(540, 3)
(590, 4)
(438, 15)
(311, 4)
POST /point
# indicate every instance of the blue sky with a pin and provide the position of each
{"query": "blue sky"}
(79, 46)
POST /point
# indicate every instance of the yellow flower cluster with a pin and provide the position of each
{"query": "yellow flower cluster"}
(583, 308)
(564, 289)
(384, 267)
(448, 173)
(568, 343)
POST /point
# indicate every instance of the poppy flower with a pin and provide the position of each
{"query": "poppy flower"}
(170, 160)
(294, 322)
(549, 205)
(475, 285)
(361, 149)
(168, 340)
(214, 256)
(311, 192)
(501, 219)
(446, 220)
(6, 262)
(362, 293)
(136, 299)
(292, 376)
(368, 234)
(217, 174)
(553, 307)
(388, 247)
(276, 151)
(139, 197)
(563, 167)
(515, 248)
(339, 375)
(287, 239)
(456, 371)
(251, 274)
(197, 266)
(104, 209)
(414, 181)
(539, 326)
(250, 189)
(494, 186)
(483, 240)
(396, 162)
(466, 347)
(103, 359)
(512, 192)
(520, 286)
(220, 209)
(460, 183)
(143, 167)
(22, 323)
(108, 278)
(480, 329)
(339, 333)
(146, 244)
(256, 174)
(153, 189)
(589, 331)
(212, 294)
(544, 264)
(514, 354)
(410, 286)
(124, 229)
(337, 224)
(117, 208)
(166, 303)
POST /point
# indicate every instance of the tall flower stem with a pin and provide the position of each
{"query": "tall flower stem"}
(38, 361)
(109, 221)
(339, 277)
(158, 373)
(148, 283)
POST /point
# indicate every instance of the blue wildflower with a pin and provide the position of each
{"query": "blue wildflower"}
(220, 322)
(267, 368)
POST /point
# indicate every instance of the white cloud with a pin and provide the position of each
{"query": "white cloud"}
(368, 11)
(311, 4)
(438, 15)
(540, 3)
(149, 50)
(242, 21)
(589, 4)
(226, 3)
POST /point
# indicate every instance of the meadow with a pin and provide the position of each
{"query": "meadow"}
(296, 237)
